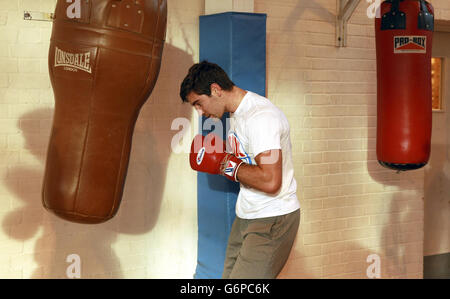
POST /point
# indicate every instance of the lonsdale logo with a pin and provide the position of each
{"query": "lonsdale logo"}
(80, 61)
(410, 44)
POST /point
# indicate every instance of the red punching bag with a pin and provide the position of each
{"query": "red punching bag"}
(404, 34)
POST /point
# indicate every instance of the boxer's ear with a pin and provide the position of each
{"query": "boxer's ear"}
(216, 90)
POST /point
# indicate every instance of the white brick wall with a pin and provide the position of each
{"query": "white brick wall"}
(352, 207)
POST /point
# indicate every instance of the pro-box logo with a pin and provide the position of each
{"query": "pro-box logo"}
(410, 44)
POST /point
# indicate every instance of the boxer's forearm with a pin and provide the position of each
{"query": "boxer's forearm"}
(266, 176)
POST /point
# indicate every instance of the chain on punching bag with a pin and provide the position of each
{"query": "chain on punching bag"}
(404, 34)
(103, 65)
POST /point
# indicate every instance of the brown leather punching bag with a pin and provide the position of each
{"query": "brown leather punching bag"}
(104, 60)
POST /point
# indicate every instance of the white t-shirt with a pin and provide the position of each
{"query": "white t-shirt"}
(256, 126)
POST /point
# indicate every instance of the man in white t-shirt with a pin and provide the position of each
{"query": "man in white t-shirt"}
(267, 208)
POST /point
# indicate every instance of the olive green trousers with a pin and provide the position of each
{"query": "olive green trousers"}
(259, 248)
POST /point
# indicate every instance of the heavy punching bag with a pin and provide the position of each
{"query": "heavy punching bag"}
(404, 33)
(104, 60)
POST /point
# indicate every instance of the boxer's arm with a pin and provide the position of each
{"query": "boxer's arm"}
(266, 176)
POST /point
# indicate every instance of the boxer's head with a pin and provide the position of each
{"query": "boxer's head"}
(203, 88)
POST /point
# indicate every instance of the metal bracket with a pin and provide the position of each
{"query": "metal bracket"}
(38, 16)
(345, 9)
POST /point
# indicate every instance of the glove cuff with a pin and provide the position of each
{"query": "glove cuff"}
(236, 171)
(229, 167)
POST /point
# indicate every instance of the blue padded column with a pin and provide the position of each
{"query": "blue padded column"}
(236, 42)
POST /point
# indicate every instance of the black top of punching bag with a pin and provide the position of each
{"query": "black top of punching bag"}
(396, 19)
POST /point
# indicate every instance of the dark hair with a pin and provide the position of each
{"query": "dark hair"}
(201, 76)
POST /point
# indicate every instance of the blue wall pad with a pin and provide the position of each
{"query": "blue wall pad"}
(236, 42)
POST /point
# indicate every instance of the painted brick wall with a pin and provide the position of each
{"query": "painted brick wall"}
(351, 206)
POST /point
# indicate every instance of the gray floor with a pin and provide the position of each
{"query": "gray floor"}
(436, 266)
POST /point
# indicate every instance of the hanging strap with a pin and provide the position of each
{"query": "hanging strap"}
(426, 18)
(393, 19)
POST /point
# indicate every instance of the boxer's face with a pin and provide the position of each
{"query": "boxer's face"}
(209, 106)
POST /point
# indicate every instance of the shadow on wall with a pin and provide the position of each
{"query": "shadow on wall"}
(396, 217)
(141, 200)
(437, 189)
(282, 73)
(287, 55)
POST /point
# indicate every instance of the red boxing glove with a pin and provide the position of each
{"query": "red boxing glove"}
(208, 155)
